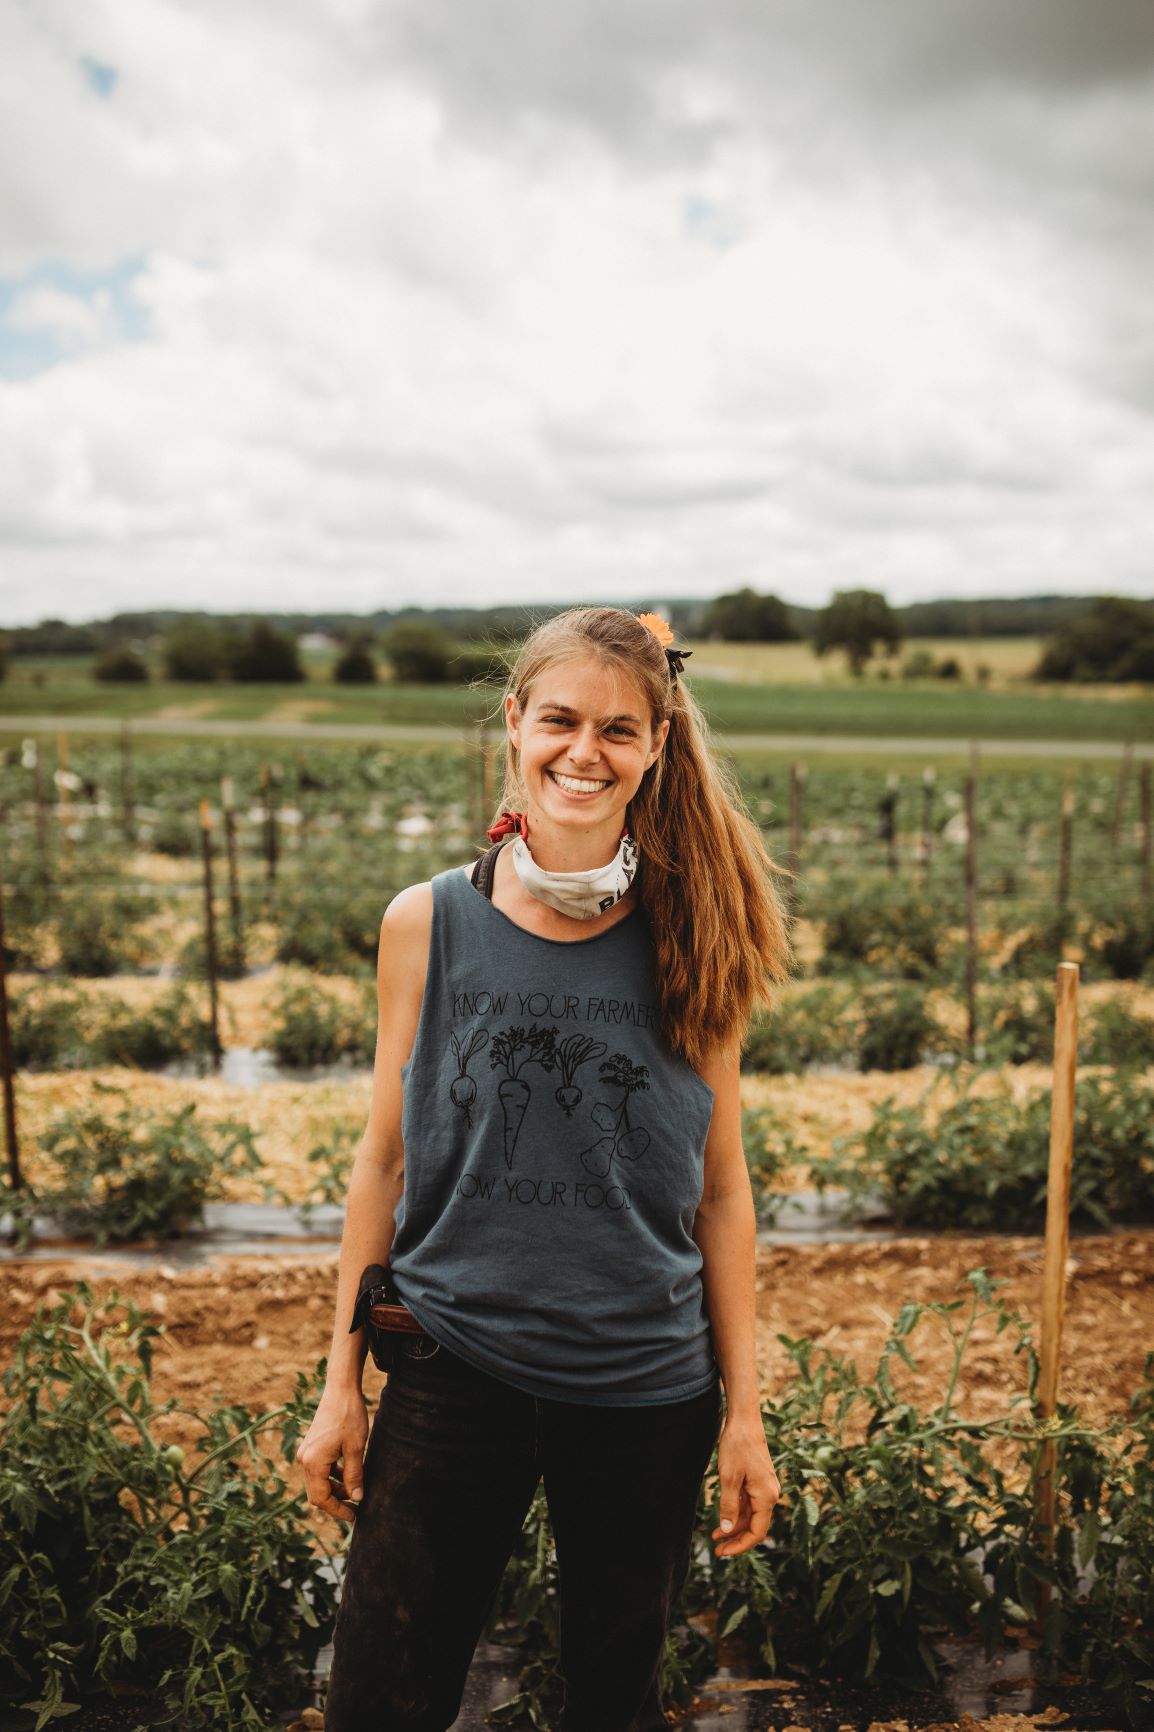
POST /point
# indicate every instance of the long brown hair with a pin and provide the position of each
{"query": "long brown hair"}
(705, 879)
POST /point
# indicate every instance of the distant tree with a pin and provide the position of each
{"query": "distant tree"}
(266, 655)
(744, 616)
(120, 664)
(857, 621)
(355, 665)
(195, 649)
(4, 653)
(1112, 640)
(919, 665)
(418, 654)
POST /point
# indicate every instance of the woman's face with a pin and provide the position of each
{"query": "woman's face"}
(585, 741)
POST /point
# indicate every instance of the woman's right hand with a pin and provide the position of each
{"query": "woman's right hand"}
(332, 1453)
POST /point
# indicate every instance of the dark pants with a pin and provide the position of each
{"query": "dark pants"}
(453, 1460)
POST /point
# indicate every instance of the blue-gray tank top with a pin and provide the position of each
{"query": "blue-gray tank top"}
(554, 1161)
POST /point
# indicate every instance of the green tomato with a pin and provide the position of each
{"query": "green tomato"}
(824, 1456)
(173, 1454)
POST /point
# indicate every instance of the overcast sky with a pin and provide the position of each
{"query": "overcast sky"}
(367, 304)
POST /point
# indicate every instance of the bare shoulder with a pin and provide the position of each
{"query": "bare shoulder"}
(410, 911)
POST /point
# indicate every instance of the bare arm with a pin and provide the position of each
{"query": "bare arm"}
(725, 1230)
(340, 1428)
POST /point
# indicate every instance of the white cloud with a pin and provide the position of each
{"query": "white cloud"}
(506, 302)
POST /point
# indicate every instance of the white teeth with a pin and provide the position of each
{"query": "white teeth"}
(576, 787)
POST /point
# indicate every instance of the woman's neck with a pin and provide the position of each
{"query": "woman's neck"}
(557, 849)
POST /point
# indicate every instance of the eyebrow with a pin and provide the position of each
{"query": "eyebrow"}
(565, 710)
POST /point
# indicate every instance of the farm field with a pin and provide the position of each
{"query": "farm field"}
(867, 1081)
(743, 688)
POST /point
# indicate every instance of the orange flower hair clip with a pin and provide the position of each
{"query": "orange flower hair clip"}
(663, 633)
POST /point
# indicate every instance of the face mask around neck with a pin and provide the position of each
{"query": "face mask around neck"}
(581, 895)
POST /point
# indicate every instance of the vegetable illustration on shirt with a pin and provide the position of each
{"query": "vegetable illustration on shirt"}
(620, 1139)
(464, 1090)
(513, 1049)
(571, 1055)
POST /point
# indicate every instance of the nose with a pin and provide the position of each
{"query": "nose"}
(584, 749)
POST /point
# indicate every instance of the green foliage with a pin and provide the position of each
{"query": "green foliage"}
(802, 1030)
(136, 1174)
(744, 616)
(312, 1026)
(896, 1030)
(355, 665)
(1120, 942)
(54, 1027)
(267, 655)
(418, 653)
(1117, 1036)
(1017, 1027)
(125, 1564)
(858, 621)
(770, 1150)
(171, 1027)
(95, 933)
(898, 1525)
(888, 928)
(120, 663)
(195, 650)
(1112, 640)
(47, 1027)
(333, 1161)
(981, 1162)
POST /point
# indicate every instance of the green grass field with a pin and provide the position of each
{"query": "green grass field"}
(743, 688)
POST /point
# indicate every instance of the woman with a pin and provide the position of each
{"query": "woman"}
(555, 1123)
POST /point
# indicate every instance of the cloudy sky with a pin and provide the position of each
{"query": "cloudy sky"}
(391, 301)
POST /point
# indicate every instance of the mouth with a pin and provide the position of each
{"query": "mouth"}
(578, 787)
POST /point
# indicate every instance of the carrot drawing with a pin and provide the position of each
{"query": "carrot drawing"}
(571, 1054)
(512, 1050)
(464, 1090)
(620, 1139)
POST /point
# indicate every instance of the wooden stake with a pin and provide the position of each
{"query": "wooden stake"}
(1057, 1244)
(209, 929)
(1144, 826)
(42, 842)
(1121, 791)
(888, 823)
(928, 778)
(63, 803)
(268, 801)
(229, 816)
(127, 802)
(1065, 850)
(15, 1176)
(796, 815)
(971, 913)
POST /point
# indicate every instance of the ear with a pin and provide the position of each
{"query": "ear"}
(660, 735)
(513, 720)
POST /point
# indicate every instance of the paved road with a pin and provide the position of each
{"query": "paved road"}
(384, 733)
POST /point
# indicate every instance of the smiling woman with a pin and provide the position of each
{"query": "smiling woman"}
(552, 1184)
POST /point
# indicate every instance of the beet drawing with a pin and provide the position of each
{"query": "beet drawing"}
(464, 1090)
(571, 1055)
(622, 1140)
(512, 1050)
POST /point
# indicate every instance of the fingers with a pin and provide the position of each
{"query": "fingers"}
(745, 1513)
(327, 1488)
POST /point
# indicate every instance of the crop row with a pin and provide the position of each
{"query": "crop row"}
(959, 1157)
(192, 1578)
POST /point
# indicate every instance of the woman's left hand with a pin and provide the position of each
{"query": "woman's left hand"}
(749, 1487)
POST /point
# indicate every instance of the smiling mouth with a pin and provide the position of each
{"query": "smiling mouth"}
(577, 784)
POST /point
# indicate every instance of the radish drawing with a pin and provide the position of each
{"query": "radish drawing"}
(537, 1047)
(571, 1054)
(620, 1138)
(464, 1090)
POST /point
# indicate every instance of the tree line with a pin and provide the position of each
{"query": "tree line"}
(1108, 638)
